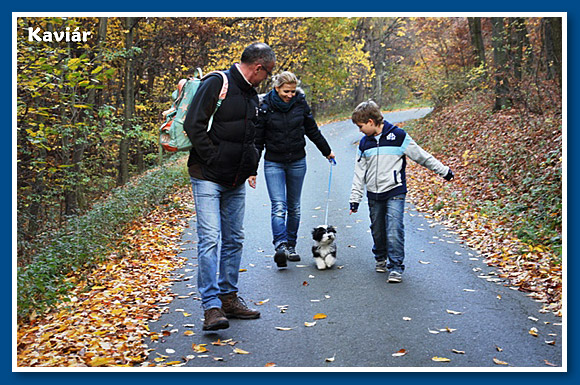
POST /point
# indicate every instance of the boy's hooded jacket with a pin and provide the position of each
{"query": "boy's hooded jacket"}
(380, 164)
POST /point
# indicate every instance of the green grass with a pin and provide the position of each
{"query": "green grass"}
(88, 238)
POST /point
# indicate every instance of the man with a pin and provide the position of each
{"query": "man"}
(219, 163)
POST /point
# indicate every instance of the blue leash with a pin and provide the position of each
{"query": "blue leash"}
(332, 163)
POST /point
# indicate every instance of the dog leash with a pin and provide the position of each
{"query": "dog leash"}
(332, 163)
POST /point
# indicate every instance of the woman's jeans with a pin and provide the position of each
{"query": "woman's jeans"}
(220, 217)
(284, 181)
(388, 231)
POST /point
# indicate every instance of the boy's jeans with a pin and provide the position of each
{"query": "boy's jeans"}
(220, 216)
(388, 231)
(284, 181)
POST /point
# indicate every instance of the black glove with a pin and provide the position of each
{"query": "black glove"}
(354, 207)
(449, 175)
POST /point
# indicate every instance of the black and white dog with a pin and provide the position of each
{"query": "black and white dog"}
(324, 249)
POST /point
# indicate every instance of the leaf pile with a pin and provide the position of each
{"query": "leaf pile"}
(103, 322)
(505, 200)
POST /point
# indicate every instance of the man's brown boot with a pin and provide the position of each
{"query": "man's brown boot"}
(235, 307)
(215, 319)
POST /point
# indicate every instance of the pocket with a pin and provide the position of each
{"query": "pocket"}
(215, 159)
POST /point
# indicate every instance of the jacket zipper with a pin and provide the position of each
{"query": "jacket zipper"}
(377, 171)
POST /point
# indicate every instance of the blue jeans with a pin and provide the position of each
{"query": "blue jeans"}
(284, 181)
(388, 231)
(220, 216)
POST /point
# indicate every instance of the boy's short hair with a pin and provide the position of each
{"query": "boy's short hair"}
(365, 111)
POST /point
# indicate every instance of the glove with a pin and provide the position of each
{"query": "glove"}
(354, 207)
(449, 175)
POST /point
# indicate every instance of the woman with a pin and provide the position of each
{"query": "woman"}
(283, 121)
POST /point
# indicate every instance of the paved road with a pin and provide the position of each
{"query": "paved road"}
(442, 306)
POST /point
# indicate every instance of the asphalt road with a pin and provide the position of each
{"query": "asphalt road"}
(449, 305)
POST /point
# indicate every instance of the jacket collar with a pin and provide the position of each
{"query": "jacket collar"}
(240, 79)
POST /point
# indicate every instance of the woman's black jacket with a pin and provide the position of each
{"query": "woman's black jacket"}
(282, 133)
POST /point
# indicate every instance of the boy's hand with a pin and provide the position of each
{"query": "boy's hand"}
(353, 207)
(449, 175)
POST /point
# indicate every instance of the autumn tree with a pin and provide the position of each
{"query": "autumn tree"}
(477, 40)
(500, 63)
(552, 28)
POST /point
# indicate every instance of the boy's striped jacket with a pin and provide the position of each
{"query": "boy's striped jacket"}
(380, 164)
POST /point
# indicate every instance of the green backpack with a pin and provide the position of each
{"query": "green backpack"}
(172, 136)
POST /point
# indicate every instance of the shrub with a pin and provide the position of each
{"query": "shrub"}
(87, 239)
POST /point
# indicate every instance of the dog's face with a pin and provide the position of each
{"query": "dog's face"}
(324, 234)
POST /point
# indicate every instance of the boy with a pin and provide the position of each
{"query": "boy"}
(380, 166)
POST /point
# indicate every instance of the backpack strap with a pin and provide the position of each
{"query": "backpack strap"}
(222, 95)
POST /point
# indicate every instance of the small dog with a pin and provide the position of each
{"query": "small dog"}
(324, 249)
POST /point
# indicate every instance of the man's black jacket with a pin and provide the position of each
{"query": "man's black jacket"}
(226, 154)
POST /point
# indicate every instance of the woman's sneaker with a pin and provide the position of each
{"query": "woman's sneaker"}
(281, 255)
(292, 254)
(381, 267)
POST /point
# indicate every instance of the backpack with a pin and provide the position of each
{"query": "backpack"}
(172, 136)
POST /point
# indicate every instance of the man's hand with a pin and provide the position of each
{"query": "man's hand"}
(252, 181)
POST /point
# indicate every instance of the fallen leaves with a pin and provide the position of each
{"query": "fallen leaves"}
(462, 204)
(199, 348)
(499, 362)
(399, 353)
(104, 320)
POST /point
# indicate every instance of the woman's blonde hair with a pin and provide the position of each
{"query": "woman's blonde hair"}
(285, 77)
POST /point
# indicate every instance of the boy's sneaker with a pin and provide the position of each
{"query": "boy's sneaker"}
(281, 255)
(395, 277)
(381, 267)
(292, 254)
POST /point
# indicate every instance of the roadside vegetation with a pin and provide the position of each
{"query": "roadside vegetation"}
(97, 202)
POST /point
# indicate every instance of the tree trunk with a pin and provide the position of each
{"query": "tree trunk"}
(477, 40)
(520, 46)
(500, 61)
(553, 47)
(129, 98)
(102, 34)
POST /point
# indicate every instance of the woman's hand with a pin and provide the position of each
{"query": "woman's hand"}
(330, 156)
(252, 181)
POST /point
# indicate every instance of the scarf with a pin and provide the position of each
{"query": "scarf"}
(279, 103)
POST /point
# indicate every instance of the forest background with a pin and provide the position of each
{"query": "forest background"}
(88, 115)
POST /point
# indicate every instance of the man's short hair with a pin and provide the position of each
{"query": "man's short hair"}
(260, 53)
(365, 111)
